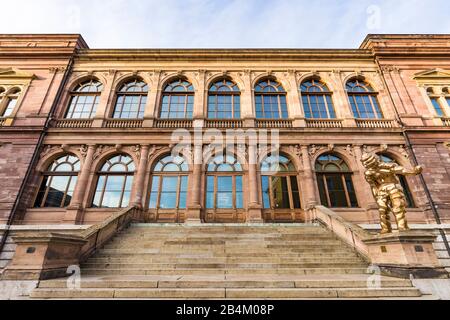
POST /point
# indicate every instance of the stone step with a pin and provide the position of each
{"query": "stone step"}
(242, 271)
(230, 251)
(225, 237)
(184, 260)
(205, 265)
(251, 282)
(100, 256)
(221, 293)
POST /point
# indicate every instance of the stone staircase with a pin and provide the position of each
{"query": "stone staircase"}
(226, 262)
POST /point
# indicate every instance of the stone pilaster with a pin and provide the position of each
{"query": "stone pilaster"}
(105, 100)
(254, 208)
(74, 211)
(308, 177)
(194, 208)
(140, 177)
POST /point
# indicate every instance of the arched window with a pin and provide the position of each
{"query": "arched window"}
(409, 198)
(114, 183)
(446, 94)
(363, 100)
(8, 101)
(224, 100)
(224, 183)
(169, 185)
(131, 100)
(435, 102)
(335, 182)
(317, 101)
(279, 183)
(177, 100)
(58, 183)
(270, 100)
(84, 100)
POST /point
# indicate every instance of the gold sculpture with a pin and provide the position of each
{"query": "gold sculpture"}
(387, 190)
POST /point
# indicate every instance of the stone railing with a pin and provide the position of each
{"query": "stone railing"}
(399, 254)
(376, 123)
(324, 123)
(224, 123)
(123, 123)
(73, 123)
(53, 253)
(274, 123)
(446, 122)
(172, 123)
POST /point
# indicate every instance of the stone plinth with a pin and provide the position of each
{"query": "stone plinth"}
(43, 256)
(405, 253)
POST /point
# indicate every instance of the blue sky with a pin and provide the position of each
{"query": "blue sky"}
(225, 23)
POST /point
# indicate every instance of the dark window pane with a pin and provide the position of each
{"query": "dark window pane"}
(295, 193)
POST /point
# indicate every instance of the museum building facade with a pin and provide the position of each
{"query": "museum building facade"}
(272, 133)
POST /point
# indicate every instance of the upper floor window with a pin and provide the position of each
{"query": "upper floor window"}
(270, 100)
(335, 182)
(58, 183)
(131, 100)
(169, 184)
(363, 100)
(178, 100)
(446, 94)
(8, 101)
(224, 101)
(84, 100)
(224, 189)
(114, 183)
(317, 102)
(435, 97)
(280, 187)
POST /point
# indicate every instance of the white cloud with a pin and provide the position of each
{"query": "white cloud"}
(219, 23)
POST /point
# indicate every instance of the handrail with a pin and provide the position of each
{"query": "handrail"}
(350, 233)
(102, 232)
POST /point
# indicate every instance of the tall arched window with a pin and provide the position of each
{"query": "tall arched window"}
(363, 100)
(409, 198)
(279, 183)
(8, 101)
(84, 100)
(446, 94)
(169, 185)
(131, 100)
(335, 182)
(270, 100)
(114, 183)
(58, 183)
(317, 101)
(224, 100)
(224, 183)
(435, 102)
(178, 100)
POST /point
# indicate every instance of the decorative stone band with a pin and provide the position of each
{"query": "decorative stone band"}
(398, 254)
(47, 255)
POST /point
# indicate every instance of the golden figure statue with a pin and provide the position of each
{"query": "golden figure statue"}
(387, 190)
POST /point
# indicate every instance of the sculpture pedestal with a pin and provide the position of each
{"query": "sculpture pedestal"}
(193, 215)
(402, 254)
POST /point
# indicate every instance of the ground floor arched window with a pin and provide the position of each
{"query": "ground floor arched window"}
(169, 184)
(114, 183)
(335, 182)
(224, 183)
(58, 183)
(280, 187)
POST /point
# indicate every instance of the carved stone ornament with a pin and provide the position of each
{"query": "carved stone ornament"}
(49, 149)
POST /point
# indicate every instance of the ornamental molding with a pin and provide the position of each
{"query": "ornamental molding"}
(13, 73)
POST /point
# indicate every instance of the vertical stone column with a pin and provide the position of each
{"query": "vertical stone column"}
(341, 102)
(295, 109)
(151, 107)
(105, 98)
(140, 177)
(199, 100)
(75, 209)
(247, 109)
(308, 178)
(254, 208)
(195, 207)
